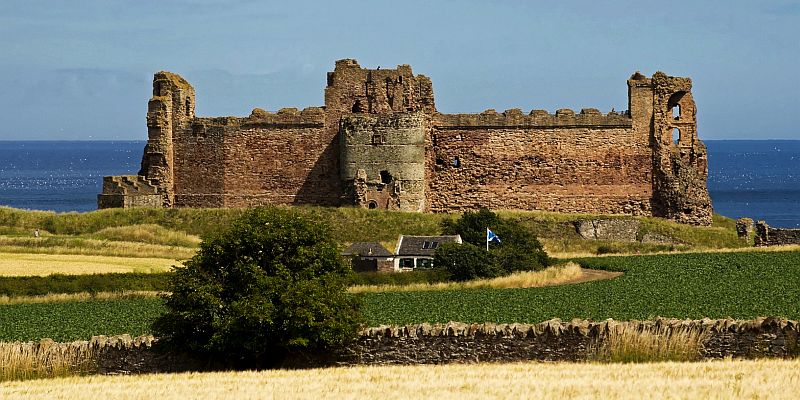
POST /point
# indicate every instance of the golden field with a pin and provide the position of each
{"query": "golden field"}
(761, 379)
(556, 275)
(22, 264)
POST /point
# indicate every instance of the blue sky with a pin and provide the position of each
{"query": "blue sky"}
(83, 70)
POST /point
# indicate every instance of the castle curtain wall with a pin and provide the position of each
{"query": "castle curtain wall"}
(358, 150)
(588, 163)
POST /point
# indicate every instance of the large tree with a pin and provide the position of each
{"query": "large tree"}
(270, 285)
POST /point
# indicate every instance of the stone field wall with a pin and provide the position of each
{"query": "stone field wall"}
(454, 342)
(766, 236)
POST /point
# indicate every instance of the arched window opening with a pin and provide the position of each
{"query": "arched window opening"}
(357, 108)
(372, 204)
(386, 177)
(457, 162)
(188, 107)
(676, 136)
(676, 111)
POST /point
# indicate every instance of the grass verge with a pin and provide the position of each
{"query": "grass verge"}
(625, 344)
(551, 276)
(45, 359)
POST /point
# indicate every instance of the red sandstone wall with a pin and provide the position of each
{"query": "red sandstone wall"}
(198, 165)
(281, 165)
(592, 169)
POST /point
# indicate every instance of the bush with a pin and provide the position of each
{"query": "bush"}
(272, 285)
(518, 250)
(92, 283)
(466, 262)
(434, 275)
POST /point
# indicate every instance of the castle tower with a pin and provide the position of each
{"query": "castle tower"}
(664, 107)
(171, 108)
(382, 116)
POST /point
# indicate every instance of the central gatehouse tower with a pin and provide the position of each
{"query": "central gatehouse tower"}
(379, 142)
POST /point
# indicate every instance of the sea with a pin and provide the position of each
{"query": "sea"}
(759, 179)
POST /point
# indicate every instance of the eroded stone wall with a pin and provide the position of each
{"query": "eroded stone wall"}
(767, 236)
(455, 342)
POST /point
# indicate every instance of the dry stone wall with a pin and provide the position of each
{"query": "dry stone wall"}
(354, 151)
(766, 236)
(455, 342)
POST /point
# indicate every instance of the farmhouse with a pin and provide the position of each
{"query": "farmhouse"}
(369, 256)
(379, 142)
(416, 252)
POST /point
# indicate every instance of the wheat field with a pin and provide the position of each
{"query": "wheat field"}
(762, 379)
(555, 275)
(21, 264)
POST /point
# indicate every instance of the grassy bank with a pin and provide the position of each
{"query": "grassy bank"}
(181, 228)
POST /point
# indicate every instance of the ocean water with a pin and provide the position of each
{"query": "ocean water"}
(758, 179)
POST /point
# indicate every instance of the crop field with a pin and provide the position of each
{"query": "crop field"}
(13, 264)
(716, 285)
(762, 379)
(79, 320)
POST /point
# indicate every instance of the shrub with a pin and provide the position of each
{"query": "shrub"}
(465, 261)
(518, 250)
(272, 285)
(472, 226)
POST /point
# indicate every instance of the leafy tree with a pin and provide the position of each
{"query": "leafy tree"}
(518, 249)
(271, 285)
(472, 226)
(466, 261)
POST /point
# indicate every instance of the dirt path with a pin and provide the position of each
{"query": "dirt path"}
(588, 275)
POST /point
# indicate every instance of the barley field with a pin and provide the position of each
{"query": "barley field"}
(21, 264)
(762, 379)
(556, 275)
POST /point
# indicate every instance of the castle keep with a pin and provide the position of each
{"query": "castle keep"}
(380, 143)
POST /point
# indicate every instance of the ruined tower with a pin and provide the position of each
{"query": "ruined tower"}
(663, 105)
(383, 117)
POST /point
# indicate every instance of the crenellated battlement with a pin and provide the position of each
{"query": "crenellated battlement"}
(515, 118)
(379, 142)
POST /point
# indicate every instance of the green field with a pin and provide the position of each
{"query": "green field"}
(717, 285)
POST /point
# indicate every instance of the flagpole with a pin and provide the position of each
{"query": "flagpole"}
(487, 238)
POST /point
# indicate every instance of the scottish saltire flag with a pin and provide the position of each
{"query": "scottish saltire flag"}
(490, 236)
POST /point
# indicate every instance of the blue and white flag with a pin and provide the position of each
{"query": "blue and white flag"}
(491, 236)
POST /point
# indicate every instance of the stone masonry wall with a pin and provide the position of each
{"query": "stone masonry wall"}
(454, 342)
(540, 162)
(766, 236)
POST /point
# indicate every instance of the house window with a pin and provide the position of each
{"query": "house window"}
(426, 245)
(407, 263)
(424, 263)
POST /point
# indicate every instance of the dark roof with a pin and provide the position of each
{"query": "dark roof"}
(423, 245)
(367, 249)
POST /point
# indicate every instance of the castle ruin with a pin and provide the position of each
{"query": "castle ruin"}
(379, 142)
